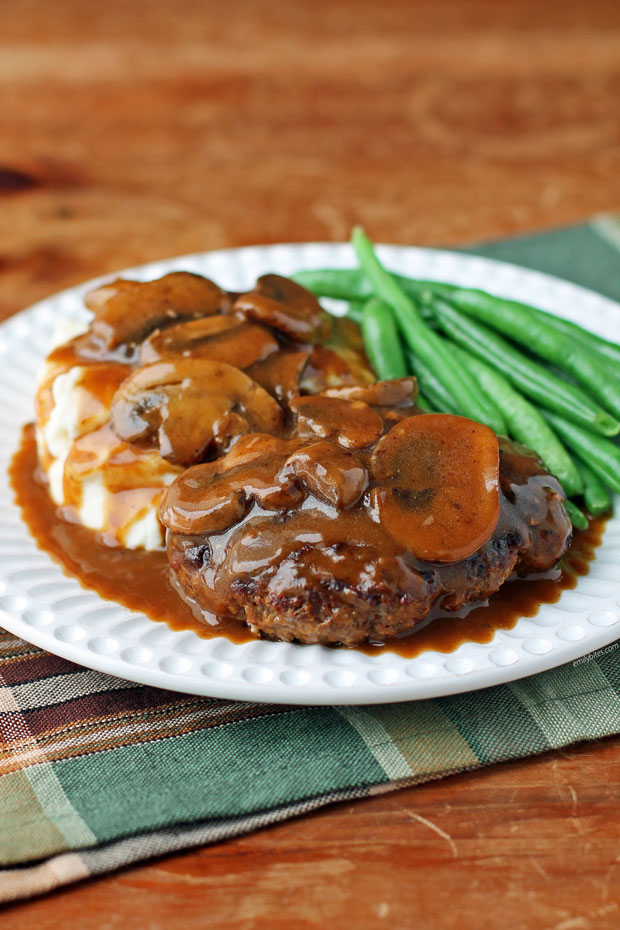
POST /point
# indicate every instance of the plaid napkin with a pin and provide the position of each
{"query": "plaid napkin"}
(97, 773)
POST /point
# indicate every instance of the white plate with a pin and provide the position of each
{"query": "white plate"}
(42, 605)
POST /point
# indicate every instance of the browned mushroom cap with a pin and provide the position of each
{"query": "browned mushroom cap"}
(351, 423)
(331, 474)
(400, 392)
(217, 338)
(253, 446)
(346, 341)
(280, 374)
(285, 306)
(96, 298)
(327, 368)
(437, 490)
(187, 506)
(210, 498)
(189, 405)
(126, 311)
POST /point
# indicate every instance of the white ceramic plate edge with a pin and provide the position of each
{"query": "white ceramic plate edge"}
(40, 604)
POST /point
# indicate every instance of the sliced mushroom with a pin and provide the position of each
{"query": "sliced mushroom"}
(437, 485)
(280, 374)
(217, 338)
(96, 299)
(400, 392)
(353, 424)
(127, 311)
(189, 507)
(285, 306)
(330, 474)
(190, 405)
(346, 340)
(327, 368)
(212, 497)
(254, 446)
(341, 361)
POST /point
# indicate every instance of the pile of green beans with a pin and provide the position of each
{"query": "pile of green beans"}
(424, 342)
(463, 345)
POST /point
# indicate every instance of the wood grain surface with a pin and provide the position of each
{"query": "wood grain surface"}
(132, 131)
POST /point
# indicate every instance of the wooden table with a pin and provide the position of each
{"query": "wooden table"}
(135, 131)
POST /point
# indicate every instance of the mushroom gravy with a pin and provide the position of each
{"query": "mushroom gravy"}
(142, 580)
(302, 499)
(170, 372)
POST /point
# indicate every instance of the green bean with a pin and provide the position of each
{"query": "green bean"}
(595, 493)
(432, 388)
(525, 423)
(600, 454)
(578, 519)
(339, 283)
(424, 342)
(497, 309)
(355, 308)
(381, 340)
(355, 311)
(601, 378)
(350, 283)
(528, 376)
(424, 403)
(610, 350)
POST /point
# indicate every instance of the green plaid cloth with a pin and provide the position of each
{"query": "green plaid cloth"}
(97, 773)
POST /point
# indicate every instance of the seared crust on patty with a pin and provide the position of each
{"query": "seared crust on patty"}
(347, 589)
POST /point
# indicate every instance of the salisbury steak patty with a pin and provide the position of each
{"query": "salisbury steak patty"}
(305, 539)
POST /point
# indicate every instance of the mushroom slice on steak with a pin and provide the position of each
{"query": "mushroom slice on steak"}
(285, 306)
(127, 311)
(351, 423)
(329, 473)
(210, 498)
(216, 338)
(437, 485)
(281, 373)
(399, 392)
(331, 368)
(190, 405)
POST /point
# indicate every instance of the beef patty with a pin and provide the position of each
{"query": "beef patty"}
(324, 537)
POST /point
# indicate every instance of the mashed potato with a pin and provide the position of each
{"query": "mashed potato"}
(195, 376)
(106, 484)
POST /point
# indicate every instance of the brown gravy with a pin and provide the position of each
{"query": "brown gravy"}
(142, 580)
